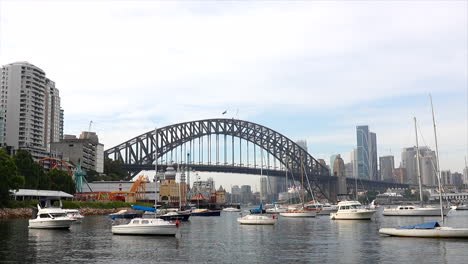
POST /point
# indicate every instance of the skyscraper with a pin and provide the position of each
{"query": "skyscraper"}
(362, 136)
(31, 108)
(387, 165)
(354, 163)
(373, 169)
(332, 162)
(263, 189)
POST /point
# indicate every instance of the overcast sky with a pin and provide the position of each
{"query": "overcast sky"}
(310, 70)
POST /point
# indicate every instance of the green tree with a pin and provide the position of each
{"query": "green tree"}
(9, 177)
(33, 173)
(61, 181)
(114, 170)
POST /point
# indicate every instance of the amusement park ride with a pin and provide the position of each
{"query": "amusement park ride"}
(137, 191)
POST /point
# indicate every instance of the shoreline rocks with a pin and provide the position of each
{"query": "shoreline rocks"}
(16, 213)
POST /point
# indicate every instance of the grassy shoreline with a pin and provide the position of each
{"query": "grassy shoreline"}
(23, 209)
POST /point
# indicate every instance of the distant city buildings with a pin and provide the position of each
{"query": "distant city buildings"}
(302, 143)
(428, 165)
(30, 113)
(387, 165)
(263, 189)
(399, 175)
(246, 194)
(332, 162)
(366, 153)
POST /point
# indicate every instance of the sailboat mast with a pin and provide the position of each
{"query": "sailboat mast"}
(155, 166)
(302, 183)
(438, 164)
(418, 166)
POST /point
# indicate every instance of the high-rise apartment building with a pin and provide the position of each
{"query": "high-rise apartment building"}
(387, 165)
(30, 105)
(263, 189)
(354, 163)
(332, 162)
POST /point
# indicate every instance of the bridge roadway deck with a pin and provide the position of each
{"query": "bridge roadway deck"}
(268, 172)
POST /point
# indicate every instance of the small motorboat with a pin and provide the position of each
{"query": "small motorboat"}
(206, 212)
(352, 210)
(74, 214)
(50, 216)
(126, 214)
(146, 226)
(462, 207)
(256, 220)
(231, 209)
(431, 229)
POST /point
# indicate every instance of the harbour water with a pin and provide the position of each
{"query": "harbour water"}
(223, 240)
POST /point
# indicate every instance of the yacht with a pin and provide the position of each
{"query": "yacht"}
(412, 210)
(231, 209)
(50, 215)
(74, 214)
(147, 226)
(299, 213)
(256, 220)
(352, 210)
(276, 210)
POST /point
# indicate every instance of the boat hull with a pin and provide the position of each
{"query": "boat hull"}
(462, 207)
(145, 230)
(180, 217)
(231, 210)
(209, 213)
(438, 232)
(299, 214)
(415, 212)
(124, 216)
(256, 222)
(359, 215)
(50, 224)
(327, 211)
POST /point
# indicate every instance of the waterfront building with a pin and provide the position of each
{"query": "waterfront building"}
(399, 175)
(85, 149)
(221, 195)
(362, 136)
(457, 179)
(332, 162)
(31, 112)
(387, 165)
(349, 170)
(200, 186)
(119, 186)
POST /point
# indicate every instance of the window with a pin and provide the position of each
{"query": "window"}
(44, 216)
(144, 222)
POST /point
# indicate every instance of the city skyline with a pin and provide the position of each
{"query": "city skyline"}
(356, 74)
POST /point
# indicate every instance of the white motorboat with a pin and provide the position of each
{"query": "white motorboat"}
(432, 229)
(321, 209)
(74, 214)
(411, 210)
(50, 216)
(299, 213)
(231, 209)
(352, 210)
(256, 219)
(146, 226)
(462, 207)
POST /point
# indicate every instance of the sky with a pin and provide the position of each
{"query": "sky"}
(310, 70)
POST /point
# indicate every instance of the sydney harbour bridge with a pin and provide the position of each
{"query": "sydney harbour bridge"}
(232, 146)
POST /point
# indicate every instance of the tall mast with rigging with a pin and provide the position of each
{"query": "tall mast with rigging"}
(438, 164)
(418, 166)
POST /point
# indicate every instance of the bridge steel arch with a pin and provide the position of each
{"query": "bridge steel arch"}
(138, 153)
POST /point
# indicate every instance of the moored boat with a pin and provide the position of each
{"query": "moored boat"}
(125, 214)
(412, 210)
(352, 210)
(74, 214)
(206, 212)
(256, 220)
(173, 216)
(431, 229)
(146, 226)
(48, 216)
(231, 209)
(299, 213)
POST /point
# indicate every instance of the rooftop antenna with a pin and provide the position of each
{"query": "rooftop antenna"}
(90, 123)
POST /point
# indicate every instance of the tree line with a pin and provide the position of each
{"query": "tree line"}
(21, 172)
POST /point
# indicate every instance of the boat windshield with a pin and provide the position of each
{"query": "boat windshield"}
(352, 206)
(58, 214)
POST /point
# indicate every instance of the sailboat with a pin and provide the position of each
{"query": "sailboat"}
(431, 229)
(413, 210)
(302, 211)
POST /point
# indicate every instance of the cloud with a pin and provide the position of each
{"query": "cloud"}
(131, 66)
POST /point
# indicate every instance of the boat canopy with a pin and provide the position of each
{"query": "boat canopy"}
(258, 210)
(429, 225)
(144, 208)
